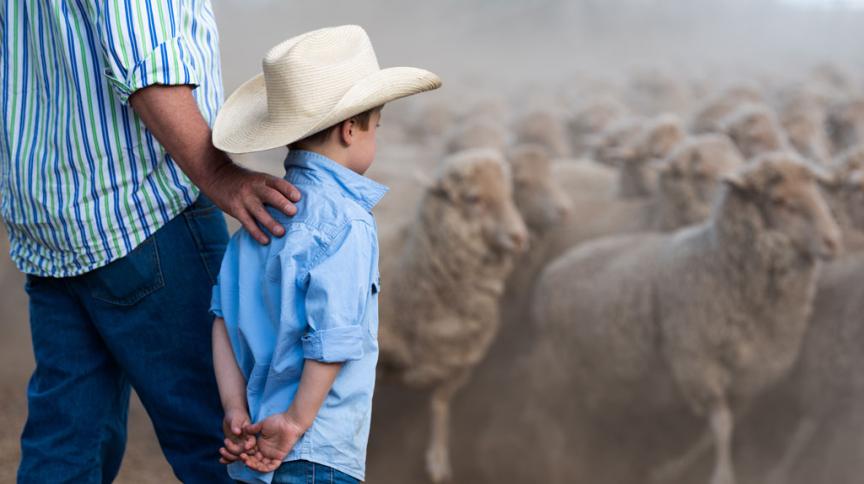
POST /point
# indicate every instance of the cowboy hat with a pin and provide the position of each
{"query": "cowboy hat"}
(311, 82)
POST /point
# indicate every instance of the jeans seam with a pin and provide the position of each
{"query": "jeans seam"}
(199, 245)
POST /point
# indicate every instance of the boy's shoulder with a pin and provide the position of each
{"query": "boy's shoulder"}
(323, 209)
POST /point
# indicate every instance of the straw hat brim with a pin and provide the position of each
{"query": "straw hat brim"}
(243, 124)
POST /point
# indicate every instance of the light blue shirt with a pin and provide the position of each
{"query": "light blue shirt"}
(311, 294)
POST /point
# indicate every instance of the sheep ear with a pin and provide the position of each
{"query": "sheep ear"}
(856, 179)
(422, 179)
(824, 176)
(737, 181)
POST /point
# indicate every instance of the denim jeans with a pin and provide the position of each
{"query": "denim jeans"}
(143, 321)
(305, 472)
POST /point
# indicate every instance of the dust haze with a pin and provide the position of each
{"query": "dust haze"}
(513, 58)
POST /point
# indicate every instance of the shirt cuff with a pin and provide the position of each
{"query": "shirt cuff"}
(334, 345)
(170, 64)
(216, 302)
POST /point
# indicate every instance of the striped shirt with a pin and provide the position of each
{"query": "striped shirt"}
(82, 181)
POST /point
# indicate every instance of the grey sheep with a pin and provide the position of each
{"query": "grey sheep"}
(708, 315)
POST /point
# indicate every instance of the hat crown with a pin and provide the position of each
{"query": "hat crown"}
(311, 73)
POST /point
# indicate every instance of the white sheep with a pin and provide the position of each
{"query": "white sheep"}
(803, 116)
(709, 315)
(478, 132)
(543, 127)
(444, 274)
(590, 119)
(755, 129)
(708, 118)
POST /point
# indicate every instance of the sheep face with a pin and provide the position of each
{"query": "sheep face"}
(688, 178)
(476, 188)
(786, 194)
(846, 188)
(846, 124)
(541, 201)
(478, 133)
(543, 128)
(755, 130)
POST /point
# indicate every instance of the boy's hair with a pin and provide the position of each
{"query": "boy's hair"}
(361, 119)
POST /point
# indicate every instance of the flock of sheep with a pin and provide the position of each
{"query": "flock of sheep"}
(563, 277)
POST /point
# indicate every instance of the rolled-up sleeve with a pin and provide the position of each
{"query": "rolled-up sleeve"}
(216, 302)
(337, 295)
(142, 45)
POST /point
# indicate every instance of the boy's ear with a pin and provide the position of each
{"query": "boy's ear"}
(346, 131)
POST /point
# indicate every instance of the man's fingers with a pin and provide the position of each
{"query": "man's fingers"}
(285, 188)
(278, 201)
(264, 218)
(253, 229)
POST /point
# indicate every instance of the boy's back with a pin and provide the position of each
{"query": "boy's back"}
(311, 294)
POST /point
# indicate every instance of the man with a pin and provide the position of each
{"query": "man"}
(105, 142)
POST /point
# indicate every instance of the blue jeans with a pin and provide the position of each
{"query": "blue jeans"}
(305, 472)
(143, 321)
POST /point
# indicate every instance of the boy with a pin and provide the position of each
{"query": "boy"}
(295, 337)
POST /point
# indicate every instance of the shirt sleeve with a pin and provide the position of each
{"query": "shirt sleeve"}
(216, 301)
(337, 296)
(142, 44)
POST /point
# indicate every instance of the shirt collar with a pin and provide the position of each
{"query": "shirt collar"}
(365, 191)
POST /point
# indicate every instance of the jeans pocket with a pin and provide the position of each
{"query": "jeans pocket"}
(128, 280)
(208, 229)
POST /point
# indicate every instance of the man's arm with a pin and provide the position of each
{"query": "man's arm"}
(279, 432)
(171, 114)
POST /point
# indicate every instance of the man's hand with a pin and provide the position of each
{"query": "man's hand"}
(242, 194)
(277, 435)
(237, 441)
(171, 114)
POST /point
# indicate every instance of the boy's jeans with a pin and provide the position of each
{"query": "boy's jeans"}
(141, 320)
(305, 472)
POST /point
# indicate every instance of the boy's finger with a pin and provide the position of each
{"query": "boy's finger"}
(233, 447)
(227, 455)
(253, 429)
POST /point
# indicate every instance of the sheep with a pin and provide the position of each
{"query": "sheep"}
(709, 116)
(543, 127)
(803, 116)
(755, 129)
(592, 118)
(846, 197)
(539, 199)
(477, 133)
(846, 124)
(708, 315)
(445, 272)
(431, 120)
(684, 196)
(638, 170)
(606, 147)
(826, 385)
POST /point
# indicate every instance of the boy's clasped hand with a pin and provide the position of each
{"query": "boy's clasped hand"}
(261, 446)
